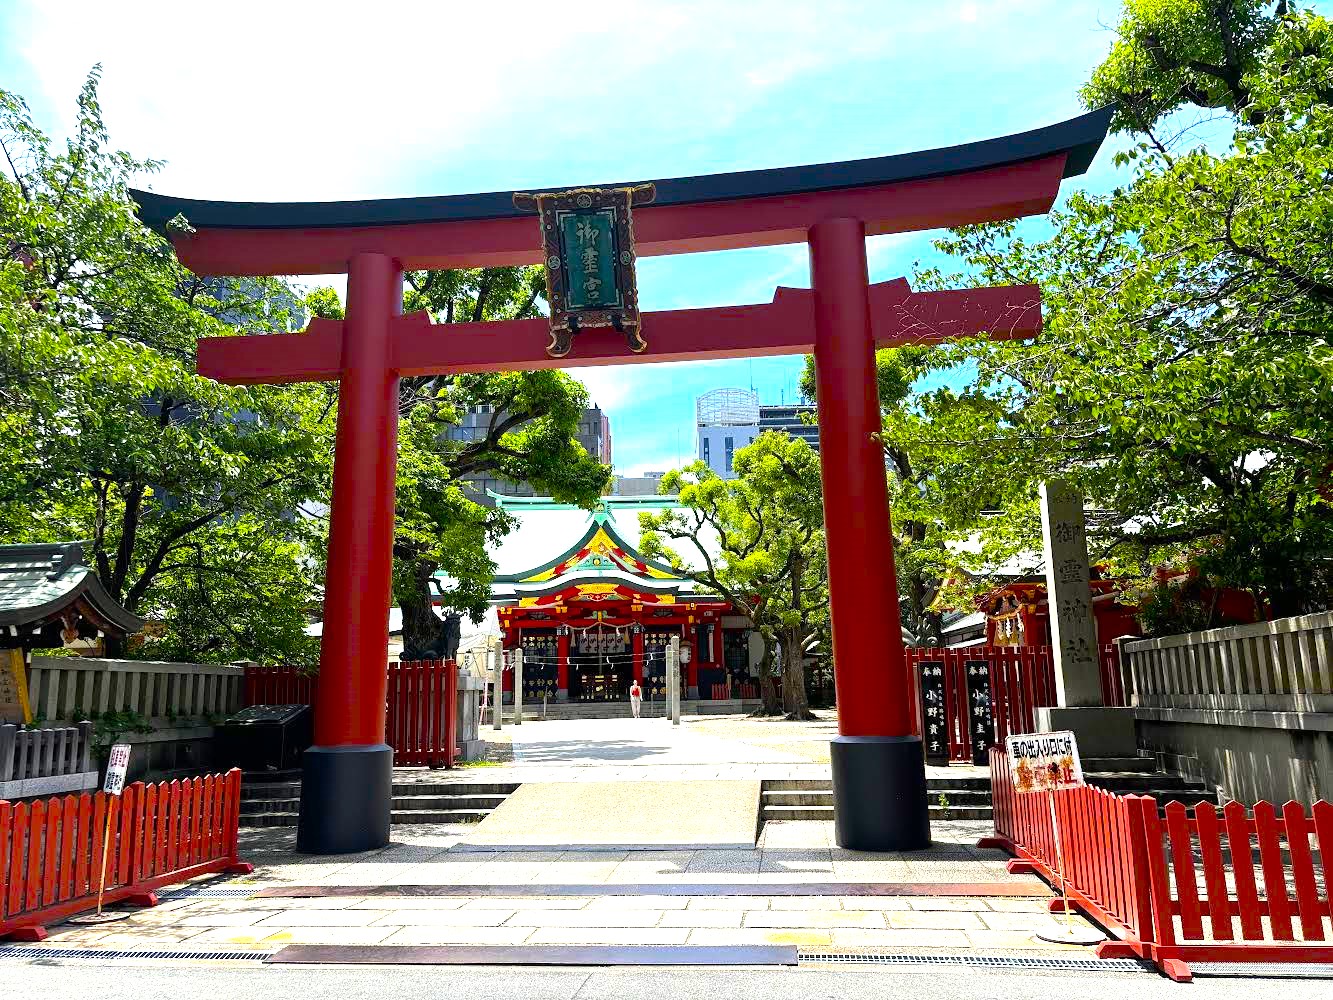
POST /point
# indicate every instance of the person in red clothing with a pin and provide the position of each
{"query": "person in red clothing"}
(635, 698)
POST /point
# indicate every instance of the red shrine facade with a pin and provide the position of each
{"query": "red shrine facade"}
(599, 615)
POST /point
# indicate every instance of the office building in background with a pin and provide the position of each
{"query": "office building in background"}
(729, 419)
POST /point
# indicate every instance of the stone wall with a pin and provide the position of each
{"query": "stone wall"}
(1248, 709)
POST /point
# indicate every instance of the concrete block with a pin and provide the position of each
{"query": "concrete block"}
(1101, 732)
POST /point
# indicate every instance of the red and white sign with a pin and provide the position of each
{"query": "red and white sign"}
(1044, 762)
(116, 766)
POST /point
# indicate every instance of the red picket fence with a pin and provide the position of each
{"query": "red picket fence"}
(51, 849)
(1152, 879)
(745, 691)
(1021, 680)
(421, 722)
(1113, 681)
(279, 686)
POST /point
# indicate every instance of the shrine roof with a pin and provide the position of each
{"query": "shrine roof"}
(557, 545)
(39, 582)
(1078, 139)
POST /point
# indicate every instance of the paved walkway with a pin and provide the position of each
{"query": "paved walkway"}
(622, 816)
(788, 856)
(700, 749)
(424, 889)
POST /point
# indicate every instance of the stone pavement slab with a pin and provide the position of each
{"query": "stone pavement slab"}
(620, 816)
(905, 923)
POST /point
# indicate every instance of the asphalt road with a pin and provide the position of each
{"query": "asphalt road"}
(216, 981)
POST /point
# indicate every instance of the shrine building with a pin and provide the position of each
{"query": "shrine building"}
(591, 613)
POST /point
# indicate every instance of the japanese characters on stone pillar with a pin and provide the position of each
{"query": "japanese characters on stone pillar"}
(1073, 628)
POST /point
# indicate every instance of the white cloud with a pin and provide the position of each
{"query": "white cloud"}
(281, 101)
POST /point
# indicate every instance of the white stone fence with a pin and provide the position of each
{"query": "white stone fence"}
(58, 686)
(1278, 666)
(46, 761)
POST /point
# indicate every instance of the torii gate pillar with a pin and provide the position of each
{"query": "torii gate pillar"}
(347, 778)
(879, 780)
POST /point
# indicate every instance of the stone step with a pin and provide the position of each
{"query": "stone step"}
(1144, 765)
(961, 812)
(454, 788)
(825, 812)
(798, 785)
(797, 798)
(279, 803)
(814, 797)
(256, 807)
(399, 818)
(269, 777)
(436, 802)
(276, 790)
(268, 819)
(444, 815)
(1133, 780)
(933, 785)
(979, 783)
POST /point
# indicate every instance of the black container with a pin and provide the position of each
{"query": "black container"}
(266, 737)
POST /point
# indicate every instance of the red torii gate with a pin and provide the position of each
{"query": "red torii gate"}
(878, 767)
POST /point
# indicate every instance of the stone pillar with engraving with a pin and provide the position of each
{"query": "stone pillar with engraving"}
(1101, 731)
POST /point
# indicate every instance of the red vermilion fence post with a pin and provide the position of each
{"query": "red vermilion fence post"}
(51, 850)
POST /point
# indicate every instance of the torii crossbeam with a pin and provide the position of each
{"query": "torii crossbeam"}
(878, 766)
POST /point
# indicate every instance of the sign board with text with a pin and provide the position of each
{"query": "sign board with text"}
(934, 721)
(117, 764)
(1044, 762)
(981, 723)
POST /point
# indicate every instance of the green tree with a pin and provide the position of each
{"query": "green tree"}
(758, 541)
(1184, 373)
(922, 558)
(442, 534)
(183, 489)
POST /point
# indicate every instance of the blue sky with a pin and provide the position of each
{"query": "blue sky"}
(278, 101)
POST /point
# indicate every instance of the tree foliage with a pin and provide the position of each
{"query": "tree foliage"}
(758, 540)
(1184, 374)
(182, 489)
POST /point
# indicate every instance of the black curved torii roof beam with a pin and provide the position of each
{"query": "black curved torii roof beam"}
(993, 179)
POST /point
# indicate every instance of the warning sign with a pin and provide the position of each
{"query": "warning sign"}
(1044, 762)
(116, 767)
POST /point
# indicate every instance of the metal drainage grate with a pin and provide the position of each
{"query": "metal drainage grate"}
(109, 954)
(856, 957)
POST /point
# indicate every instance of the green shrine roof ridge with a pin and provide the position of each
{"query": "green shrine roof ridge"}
(1078, 138)
(600, 522)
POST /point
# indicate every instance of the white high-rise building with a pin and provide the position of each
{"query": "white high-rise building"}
(727, 420)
